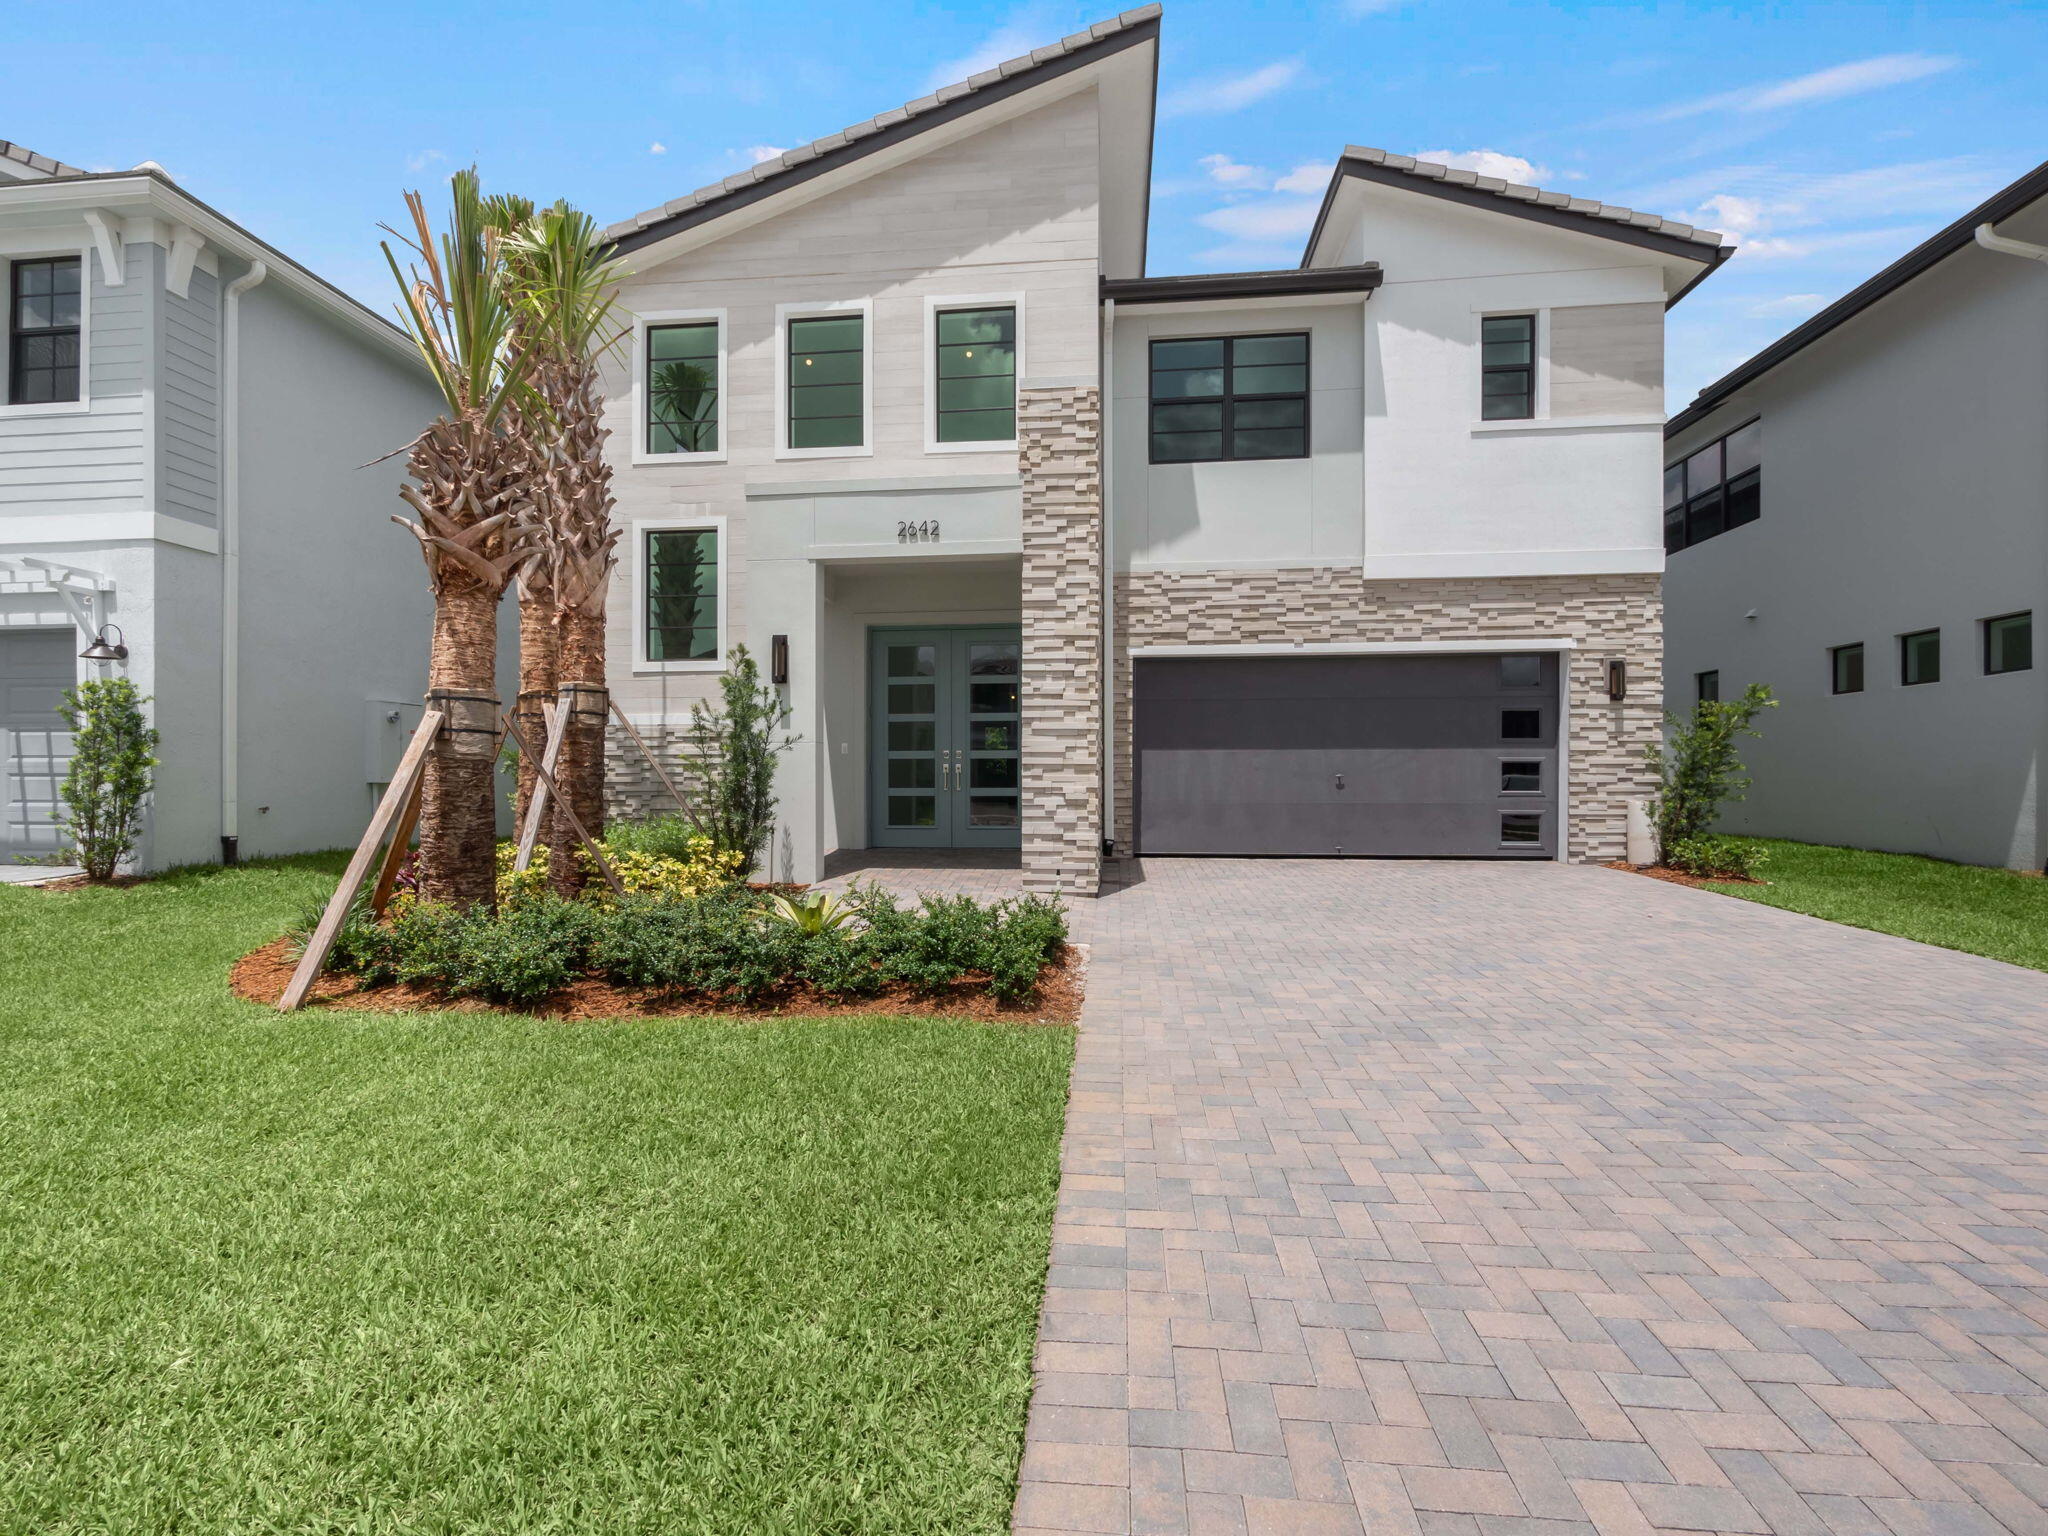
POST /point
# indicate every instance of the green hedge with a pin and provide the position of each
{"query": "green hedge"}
(725, 946)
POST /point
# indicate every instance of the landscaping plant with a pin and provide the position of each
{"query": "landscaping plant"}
(113, 750)
(736, 746)
(813, 912)
(1698, 769)
(1717, 858)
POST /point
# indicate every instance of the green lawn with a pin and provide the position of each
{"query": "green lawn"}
(442, 1273)
(1958, 906)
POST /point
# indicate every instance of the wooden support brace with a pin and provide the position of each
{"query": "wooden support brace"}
(394, 856)
(547, 779)
(536, 810)
(403, 779)
(689, 812)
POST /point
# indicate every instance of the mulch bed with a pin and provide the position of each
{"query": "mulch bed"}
(261, 975)
(1680, 877)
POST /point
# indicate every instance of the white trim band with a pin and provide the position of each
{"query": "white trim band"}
(1502, 645)
(109, 528)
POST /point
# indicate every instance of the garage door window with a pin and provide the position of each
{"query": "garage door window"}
(1520, 829)
(1521, 671)
(1521, 724)
(1521, 777)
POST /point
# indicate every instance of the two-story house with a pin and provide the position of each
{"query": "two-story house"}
(1354, 558)
(1855, 517)
(185, 419)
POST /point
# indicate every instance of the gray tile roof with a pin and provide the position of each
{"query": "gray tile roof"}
(767, 170)
(28, 157)
(1430, 170)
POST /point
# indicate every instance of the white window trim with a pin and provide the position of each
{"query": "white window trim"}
(42, 252)
(642, 453)
(934, 306)
(697, 522)
(784, 313)
(1539, 402)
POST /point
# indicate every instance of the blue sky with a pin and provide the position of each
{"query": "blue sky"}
(1830, 138)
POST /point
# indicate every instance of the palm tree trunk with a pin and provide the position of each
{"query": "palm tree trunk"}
(580, 770)
(458, 816)
(537, 684)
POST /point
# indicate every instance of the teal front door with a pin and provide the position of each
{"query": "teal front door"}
(944, 722)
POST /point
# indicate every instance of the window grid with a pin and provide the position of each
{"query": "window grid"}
(976, 371)
(1507, 367)
(827, 381)
(682, 594)
(43, 312)
(1920, 657)
(682, 387)
(1217, 398)
(2009, 643)
(1845, 668)
(1714, 489)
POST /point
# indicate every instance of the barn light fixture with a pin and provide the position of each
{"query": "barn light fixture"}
(103, 649)
(778, 659)
(1617, 678)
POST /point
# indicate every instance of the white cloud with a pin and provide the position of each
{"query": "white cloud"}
(1011, 41)
(1790, 305)
(756, 153)
(1488, 162)
(1370, 7)
(1832, 84)
(1266, 220)
(1229, 93)
(1800, 247)
(422, 160)
(657, 148)
(1765, 200)
(1226, 172)
(1312, 177)
(1729, 214)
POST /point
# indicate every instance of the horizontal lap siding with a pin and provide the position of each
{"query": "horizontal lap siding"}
(188, 403)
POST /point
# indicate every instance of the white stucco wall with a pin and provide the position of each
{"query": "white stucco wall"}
(1905, 487)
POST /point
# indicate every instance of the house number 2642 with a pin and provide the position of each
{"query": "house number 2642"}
(926, 532)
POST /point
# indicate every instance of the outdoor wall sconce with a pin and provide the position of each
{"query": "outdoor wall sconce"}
(1617, 679)
(778, 659)
(102, 649)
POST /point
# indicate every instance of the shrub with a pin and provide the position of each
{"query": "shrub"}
(668, 837)
(1717, 858)
(520, 955)
(1698, 770)
(113, 749)
(736, 746)
(701, 869)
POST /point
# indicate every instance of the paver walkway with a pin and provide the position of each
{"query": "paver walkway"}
(1523, 1200)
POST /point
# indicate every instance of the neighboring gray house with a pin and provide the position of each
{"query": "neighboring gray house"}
(184, 414)
(1858, 517)
(1356, 557)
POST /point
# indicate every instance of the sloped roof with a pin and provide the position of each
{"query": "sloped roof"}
(942, 105)
(22, 154)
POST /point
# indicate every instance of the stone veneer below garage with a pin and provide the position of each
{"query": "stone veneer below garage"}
(1606, 615)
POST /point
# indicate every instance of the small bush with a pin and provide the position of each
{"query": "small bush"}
(668, 837)
(1698, 770)
(113, 750)
(1717, 858)
(699, 868)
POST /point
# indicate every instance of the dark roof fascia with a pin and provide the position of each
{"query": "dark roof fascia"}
(1929, 253)
(897, 133)
(1209, 286)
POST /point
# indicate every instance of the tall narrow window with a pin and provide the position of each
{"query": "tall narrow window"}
(2009, 643)
(42, 331)
(682, 594)
(1229, 397)
(1707, 687)
(1920, 657)
(1742, 475)
(1705, 512)
(1845, 662)
(1674, 508)
(682, 387)
(827, 380)
(1507, 367)
(977, 375)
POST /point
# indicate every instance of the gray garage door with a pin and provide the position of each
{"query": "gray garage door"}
(36, 666)
(1443, 756)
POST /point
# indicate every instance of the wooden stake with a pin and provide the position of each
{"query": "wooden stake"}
(394, 856)
(547, 779)
(557, 721)
(403, 780)
(655, 763)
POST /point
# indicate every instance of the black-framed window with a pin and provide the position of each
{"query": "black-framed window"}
(1521, 725)
(1845, 668)
(976, 369)
(1706, 687)
(682, 387)
(44, 306)
(1507, 367)
(2009, 643)
(827, 381)
(1230, 397)
(1920, 657)
(1521, 671)
(1521, 776)
(682, 594)
(1714, 489)
(1520, 828)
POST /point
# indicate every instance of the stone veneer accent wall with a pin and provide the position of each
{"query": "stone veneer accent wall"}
(1059, 456)
(632, 792)
(1607, 615)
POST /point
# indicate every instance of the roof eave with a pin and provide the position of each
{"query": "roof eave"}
(1221, 287)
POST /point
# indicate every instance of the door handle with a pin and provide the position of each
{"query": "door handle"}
(1340, 781)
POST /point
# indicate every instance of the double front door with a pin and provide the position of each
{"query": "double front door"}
(944, 725)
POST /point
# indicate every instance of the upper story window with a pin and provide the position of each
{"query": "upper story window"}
(680, 589)
(828, 381)
(1920, 657)
(682, 387)
(1845, 664)
(1230, 397)
(975, 375)
(43, 309)
(2009, 643)
(1507, 367)
(1718, 488)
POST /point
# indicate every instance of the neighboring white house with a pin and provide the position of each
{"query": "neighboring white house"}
(184, 414)
(1858, 517)
(1379, 567)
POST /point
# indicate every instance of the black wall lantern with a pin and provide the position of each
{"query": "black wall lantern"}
(778, 659)
(1617, 678)
(103, 649)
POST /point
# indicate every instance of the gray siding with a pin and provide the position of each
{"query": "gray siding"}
(188, 402)
(1607, 360)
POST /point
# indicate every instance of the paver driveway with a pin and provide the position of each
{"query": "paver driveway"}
(1528, 1200)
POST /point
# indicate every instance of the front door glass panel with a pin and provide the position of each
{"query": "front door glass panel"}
(948, 728)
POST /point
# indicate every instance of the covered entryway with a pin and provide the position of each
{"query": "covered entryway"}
(36, 666)
(945, 736)
(1338, 756)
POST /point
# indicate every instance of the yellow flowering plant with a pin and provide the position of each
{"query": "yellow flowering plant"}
(704, 869)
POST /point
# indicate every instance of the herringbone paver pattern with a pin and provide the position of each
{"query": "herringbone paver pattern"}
(1527, 1200)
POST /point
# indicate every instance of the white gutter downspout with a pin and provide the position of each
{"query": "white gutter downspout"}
(1992, 240)
(1108, 576)
(231, 561)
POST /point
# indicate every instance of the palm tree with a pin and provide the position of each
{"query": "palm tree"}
(563, 277)
(469, 494)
